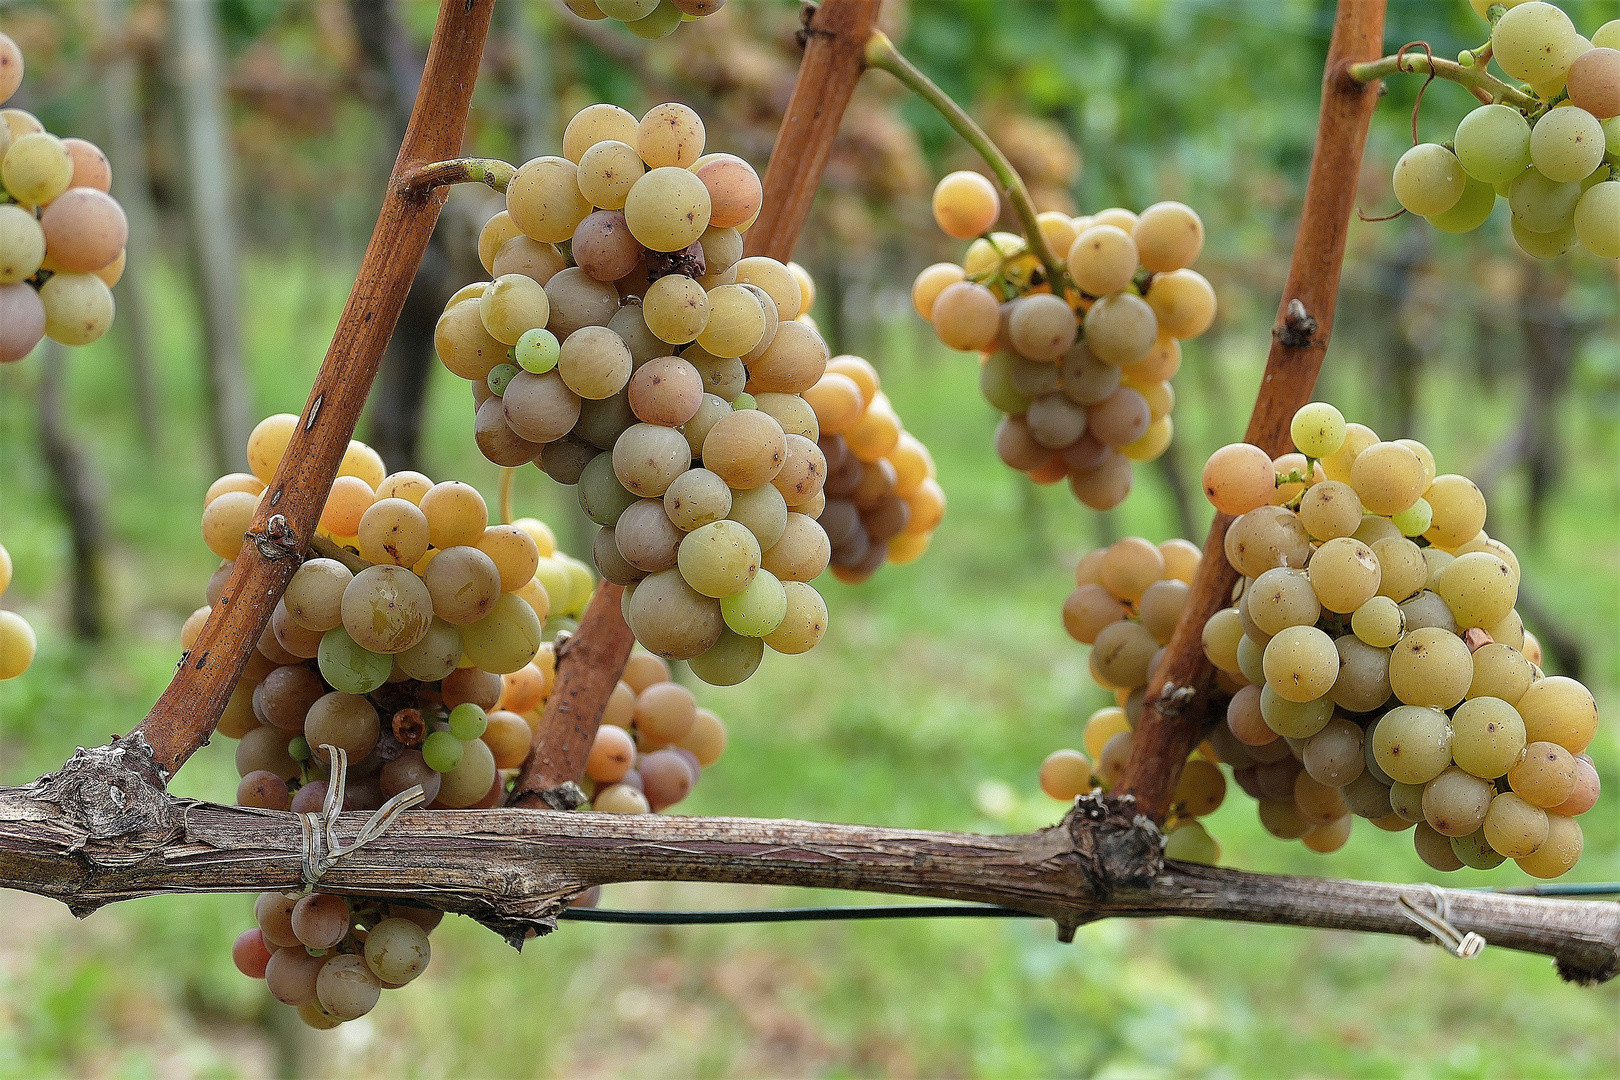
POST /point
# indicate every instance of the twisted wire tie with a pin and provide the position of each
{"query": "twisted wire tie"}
(320, 828)
(1463, 946)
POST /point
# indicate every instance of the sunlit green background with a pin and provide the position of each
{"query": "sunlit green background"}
(940, 685)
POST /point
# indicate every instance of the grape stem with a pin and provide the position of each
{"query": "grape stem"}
(881, 53)
(492, 171)
(1485, 86)
(505, 498)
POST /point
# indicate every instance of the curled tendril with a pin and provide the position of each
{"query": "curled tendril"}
(1400, 57)
(1384, 217)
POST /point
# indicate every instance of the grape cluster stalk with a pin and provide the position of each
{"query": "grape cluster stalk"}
(61, 235)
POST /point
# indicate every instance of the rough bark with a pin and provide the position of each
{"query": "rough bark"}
(189, 709)
(1176, 709)
(102, 830)
(834, 57)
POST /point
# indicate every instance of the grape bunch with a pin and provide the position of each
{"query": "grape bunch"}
(1555, 162)
(1082, 377)
(1382, 670)
(883, 501)
(1125, 604)
(627, 347)
(653, 743)
(419, 652)
(61, 235)
(329, 956)
(17, 643)
(650, 19)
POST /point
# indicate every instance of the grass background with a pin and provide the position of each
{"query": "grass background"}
(935, 694)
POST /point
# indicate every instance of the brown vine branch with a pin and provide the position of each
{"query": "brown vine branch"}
(589, 664)
(834, 57)
(186, 714)
(492, 171)
(102, 830)
(1162, 742)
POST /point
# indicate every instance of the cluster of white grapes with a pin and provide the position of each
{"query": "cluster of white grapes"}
(1126, 602)
(61, 235)
(419, 652)
(627, 347)
(883, 501)
(17, 643)
(653, 743)
(1083, 377)
(650, 19)
(1555, 161)
(1381, 670)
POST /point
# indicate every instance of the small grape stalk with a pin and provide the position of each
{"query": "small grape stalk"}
(61, 235)
(1549, 145)
(1125, 604)
(1376, 664)
(627, 348)
(1082, 376)
(17, 644)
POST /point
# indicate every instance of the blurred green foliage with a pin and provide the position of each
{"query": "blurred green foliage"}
(940, 685)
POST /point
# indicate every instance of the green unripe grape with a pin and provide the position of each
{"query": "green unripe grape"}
(536, 351)
(467, 721)
(348, 667)
(1541, 205)
(996, 384)
(660, 24)
(1472, 210)
(442, 751)
(1317, 430)
(1566, 145)
(1544, 245)
(1476, 852)
(1191, 842)
(744, 401)
(298, 748)
(499, 376)
(1597, 219)
(1493, 143)
(758, 609)
(1428, 180)
(1415, 519)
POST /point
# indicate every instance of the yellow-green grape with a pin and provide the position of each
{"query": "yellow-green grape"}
(1169, 236)
(1475, 852)
(1488, 737)
(1500, 671)
(37, 168)
(1471, 211)
(758, 609)
(1541, 206)
(665, 19)
(78, 307)
(719, 559)
(1402, 570)
(506, 639)
(1330, 509)
(1544, 245)
(1065, 774)
(1251, 659)
(1190, 842)
(17, 645)
(1221, 635)
(1425, 611)
(1414, 520)
(1388, 478)
(1459, 511)
(667, 209)
(22, 244)
(470, 779)
(966, 205)
(676, 309)
(1357, 437)
(1281, 598)
(1183, 301)
(1363, 682)
(1493, 144)
(1535, 43)
(670, 136)
(544, 199)
(1120, 657)
(597, 124)
(1431, 667)
(1479, 588)
(1344, 572)
(608, 170)
(1294, 719)
(804, 623)
(1318, 429)
(1412, 744)
(1544, 775)
(1102, 260)
(1559, 852)
(966, 316)
(1238, 478)
(1566, 145)
(387, 609)
(1514, 827)
(930, 283)
(5, 563)
(1597, 219)
(1455, 802)
(1428, 180)
(512, 305)
(1560, 710)
(462, 342)
(1406, 801)
(736, 322)
(1379, 622)
(456, 514)
(435, 656)
(730, 660)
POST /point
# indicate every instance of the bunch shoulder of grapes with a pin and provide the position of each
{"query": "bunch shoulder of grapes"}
(430, 665)
(627, 348)
(61, 234)
(1554, 162)
(1082, 378)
